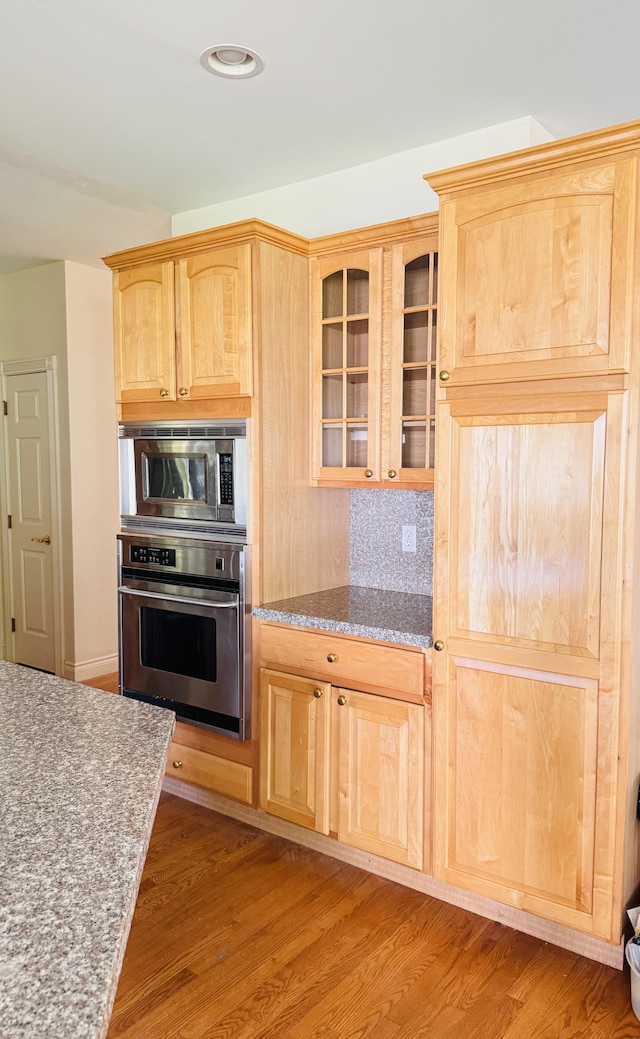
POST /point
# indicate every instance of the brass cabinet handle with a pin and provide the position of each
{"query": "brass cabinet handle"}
(368, 473)
(164, 393)
(183, 392)
(342, 700)
(331, 657)
(317, 693)
(46, 540)
(438, 645)
(392, 474)
(444, 375)
(177, 764)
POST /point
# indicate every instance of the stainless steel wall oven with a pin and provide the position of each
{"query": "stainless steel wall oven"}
(185, 628)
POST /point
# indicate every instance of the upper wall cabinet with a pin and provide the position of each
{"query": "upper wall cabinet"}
(183, 327)
(374, 325)
(532, 289)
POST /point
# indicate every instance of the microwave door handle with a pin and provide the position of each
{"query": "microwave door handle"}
(180, 599)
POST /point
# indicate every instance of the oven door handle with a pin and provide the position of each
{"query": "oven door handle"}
(181, 599)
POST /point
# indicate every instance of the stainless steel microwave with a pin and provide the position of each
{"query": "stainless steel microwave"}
(184, 475)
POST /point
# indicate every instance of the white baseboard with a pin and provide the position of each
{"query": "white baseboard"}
(556, 934)
(90, 668)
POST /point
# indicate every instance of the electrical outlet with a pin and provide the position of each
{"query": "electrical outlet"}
(408, 538)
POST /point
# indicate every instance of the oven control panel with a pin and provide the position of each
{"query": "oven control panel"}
(152, 555)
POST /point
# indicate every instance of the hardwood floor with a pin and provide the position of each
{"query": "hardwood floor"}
(239, 934)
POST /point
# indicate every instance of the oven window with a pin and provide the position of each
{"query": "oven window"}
(181, 643)
(177, 477)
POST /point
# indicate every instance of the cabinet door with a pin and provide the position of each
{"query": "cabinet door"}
(294, 754)
(529, 603)
(409, 372)
(380, 762)
(346, 322)
(529, 290)
(144, 333)
(214, 324)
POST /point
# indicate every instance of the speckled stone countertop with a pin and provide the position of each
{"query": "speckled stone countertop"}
(372, 613)
(81, 777)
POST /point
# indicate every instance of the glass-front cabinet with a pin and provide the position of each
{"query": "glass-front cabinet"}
(347, 319)
(374, 330)
(408, 449)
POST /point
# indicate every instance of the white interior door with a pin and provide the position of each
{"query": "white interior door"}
(30, 534)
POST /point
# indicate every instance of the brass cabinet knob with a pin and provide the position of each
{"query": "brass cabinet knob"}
(317, 693)
(183, 392)
(46, 540)
(392, 474)
(164, 393)
(444, 375)
(342, 700)
(177, 764)
(438, 645)
(368, 473)
(331, 657)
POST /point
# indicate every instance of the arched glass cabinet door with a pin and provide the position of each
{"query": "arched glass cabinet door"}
(409, 438)
(346, 336)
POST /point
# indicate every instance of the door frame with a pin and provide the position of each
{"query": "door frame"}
(48, 367)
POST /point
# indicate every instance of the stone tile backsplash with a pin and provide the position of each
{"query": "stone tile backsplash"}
(376, 556)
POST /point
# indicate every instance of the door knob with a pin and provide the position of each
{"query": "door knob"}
(392, 474)
(177, 764)
(331, 657)
(444, 375)
(368, 473)
(183, 392)
(164, 393)
(342, 700)
(438, 645)
(46, 540)
(317, 693)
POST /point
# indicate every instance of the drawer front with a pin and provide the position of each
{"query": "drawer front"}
(355, 663)
(228, 778)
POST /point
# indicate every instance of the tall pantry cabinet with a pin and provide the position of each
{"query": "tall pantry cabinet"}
(536, 573)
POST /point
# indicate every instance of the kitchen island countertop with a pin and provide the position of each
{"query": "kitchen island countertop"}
(82, 774)
(372, 613)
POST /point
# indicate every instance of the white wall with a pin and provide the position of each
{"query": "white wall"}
(373, 193)
(33, 324)
(64, 309)
(94, 470)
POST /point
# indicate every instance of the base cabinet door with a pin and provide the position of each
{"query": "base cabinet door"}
(380, 775)
(294, 760)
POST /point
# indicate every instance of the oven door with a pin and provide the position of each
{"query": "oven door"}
(183, 650)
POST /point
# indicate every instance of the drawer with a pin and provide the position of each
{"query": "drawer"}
(228, 778)
(351, 662)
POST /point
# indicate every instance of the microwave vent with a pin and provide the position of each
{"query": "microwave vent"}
(182, 431)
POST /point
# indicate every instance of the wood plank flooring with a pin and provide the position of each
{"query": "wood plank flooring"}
(239, 934)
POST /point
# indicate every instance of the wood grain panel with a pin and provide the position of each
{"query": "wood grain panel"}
(360, 664)
(519, 791)
(215, 323)
(530, 289)
(528, 552)
(229, 778)
(294, 758)
(380, 762)
(144, 332)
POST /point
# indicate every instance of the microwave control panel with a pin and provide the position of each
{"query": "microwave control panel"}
(226, 479)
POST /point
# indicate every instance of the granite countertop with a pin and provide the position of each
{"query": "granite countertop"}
(82, 773)
(371, 613)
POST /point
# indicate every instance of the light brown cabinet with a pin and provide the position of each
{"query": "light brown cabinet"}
(373, 331)
(535, 598)
(339, 760)
(183, 327)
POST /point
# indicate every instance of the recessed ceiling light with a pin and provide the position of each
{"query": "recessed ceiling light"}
(227, 59)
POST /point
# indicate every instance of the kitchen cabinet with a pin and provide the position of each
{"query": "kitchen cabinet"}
(373, 332)
(339, 760)
(183, 327)
(536, 756)
(210, 771)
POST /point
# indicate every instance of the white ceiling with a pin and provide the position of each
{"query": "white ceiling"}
(109, 124)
